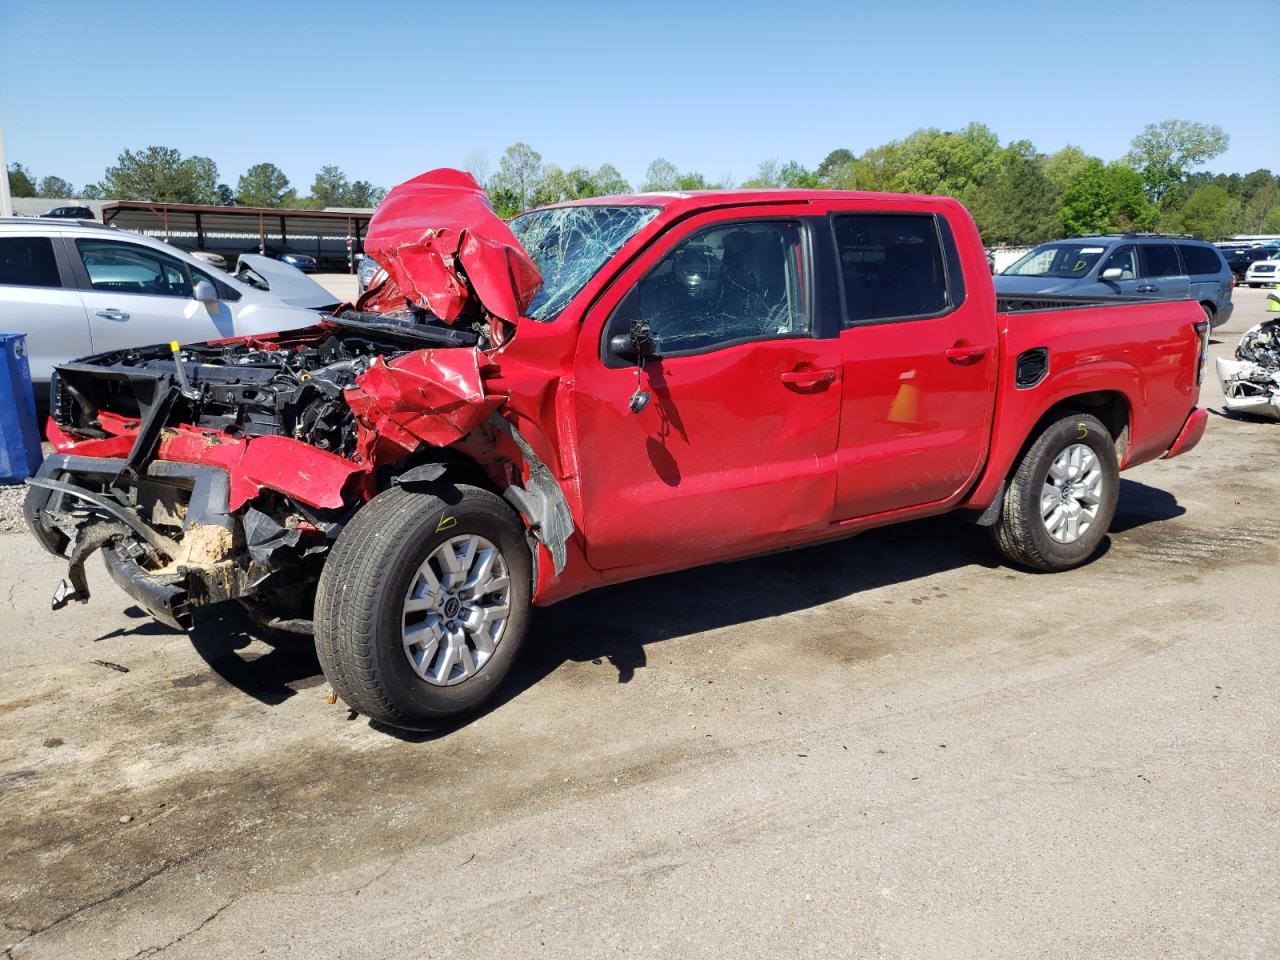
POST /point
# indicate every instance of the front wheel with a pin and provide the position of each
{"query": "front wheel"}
(1061, 499)
(423, 604)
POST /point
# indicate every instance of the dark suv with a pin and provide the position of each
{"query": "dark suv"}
(69, 213)
(1126, 265)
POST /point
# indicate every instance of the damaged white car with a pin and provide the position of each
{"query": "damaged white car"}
(1251, 382)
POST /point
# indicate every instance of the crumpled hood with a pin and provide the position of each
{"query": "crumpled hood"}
(436, 232)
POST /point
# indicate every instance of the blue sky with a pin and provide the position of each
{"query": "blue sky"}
(386, 90)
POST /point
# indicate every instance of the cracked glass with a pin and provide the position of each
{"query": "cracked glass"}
(569, 244)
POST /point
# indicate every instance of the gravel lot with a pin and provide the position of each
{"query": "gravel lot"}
(892, 746)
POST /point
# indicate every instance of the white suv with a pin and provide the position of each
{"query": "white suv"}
(77, 289)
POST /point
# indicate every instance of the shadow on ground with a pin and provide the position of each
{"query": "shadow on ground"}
(617, 623)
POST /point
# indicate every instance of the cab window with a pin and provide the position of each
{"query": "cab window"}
(126, 268)
(723, 285)
(891, 267)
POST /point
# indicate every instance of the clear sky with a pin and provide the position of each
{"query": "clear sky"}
(386, 90)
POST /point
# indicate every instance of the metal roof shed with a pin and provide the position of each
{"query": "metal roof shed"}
(167, 220)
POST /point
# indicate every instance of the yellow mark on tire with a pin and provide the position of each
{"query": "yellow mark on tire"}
(1083, 428)
(446, 523)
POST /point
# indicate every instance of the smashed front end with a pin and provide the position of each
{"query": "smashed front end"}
(1251, 382)
(227, 470)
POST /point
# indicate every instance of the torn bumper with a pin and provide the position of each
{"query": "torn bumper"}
(1249, 388)
(73, 510)
(1190, 434)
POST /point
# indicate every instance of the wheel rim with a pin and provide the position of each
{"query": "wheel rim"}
(456, 610)
(1072, 493)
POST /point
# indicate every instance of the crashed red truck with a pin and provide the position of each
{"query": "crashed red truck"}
(600, 391)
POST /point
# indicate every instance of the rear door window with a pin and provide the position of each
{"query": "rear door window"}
(891, 267)
(28, 262)
(127, 268)
(1160, 260)
(1200, 259)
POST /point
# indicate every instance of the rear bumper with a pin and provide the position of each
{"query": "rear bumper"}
(1190, 433)
(1222, 314)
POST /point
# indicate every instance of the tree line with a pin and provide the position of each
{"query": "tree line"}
(1017, 194)
(164, 175)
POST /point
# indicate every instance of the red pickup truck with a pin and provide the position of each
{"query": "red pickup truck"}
(598, 391)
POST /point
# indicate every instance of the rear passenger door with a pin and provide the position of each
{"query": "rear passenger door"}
(1162, 275)
(919, 362)
(39, 298)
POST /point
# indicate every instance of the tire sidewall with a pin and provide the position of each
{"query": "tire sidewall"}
(1079, 428)
(487, 517)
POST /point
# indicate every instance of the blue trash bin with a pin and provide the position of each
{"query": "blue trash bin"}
(19, 431)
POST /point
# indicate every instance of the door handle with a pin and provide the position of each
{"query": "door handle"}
(111, 313)
(1146, 288)
(808, 378)
(967, 353)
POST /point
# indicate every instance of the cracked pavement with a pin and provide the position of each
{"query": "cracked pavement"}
(890, 746)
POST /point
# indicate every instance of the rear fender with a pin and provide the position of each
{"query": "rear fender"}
(1019, 413)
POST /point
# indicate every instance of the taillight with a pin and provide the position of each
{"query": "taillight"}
(1231, 287)
(1202, 331)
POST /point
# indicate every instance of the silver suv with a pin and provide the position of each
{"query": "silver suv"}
(77, 289)
(1126, 265)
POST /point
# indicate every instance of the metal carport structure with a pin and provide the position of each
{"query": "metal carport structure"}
(344, 227)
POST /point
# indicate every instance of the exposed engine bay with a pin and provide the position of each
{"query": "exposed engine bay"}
(1251, 382)
(289, 387)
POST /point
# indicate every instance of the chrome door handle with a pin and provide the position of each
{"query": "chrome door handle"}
(1146, 288)
(111, 313)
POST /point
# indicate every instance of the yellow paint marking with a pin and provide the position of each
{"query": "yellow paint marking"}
(446, 523)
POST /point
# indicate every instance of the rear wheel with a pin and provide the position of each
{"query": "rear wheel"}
(1062, 497)
(423, 603)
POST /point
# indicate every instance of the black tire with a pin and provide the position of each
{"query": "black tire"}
(360, 602)
(1021, 533)
(1210, 313)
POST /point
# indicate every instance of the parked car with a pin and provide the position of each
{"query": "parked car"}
(76, 289)
(1126, 265)
(300, 261)
(1241, 260)
(624, 386)
(365, 273)
(1262, 273)
(213, 259)
(69, 213)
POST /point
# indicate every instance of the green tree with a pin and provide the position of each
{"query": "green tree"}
(796, 176)
(264, 185)
(1210, 213)
(1271, 222)
(521, 172)
(1165, 152)
(505, 203)
(1106, 199)
(950, 163)
(1064, 167)
(22, 183)
(162, 175)
(694, 181)
(362, 193)
(1018, 205)
(766, 176)
(330, 188)
(662, 174)
(609, 181)
(833, 164)
(56, 187)
(91, 191)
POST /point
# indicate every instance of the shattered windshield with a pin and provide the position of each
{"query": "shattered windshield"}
(569, 244)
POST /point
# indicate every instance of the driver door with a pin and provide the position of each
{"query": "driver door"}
(733, 452)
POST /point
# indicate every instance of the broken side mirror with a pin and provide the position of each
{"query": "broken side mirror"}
(635, 344)
(205, 293)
